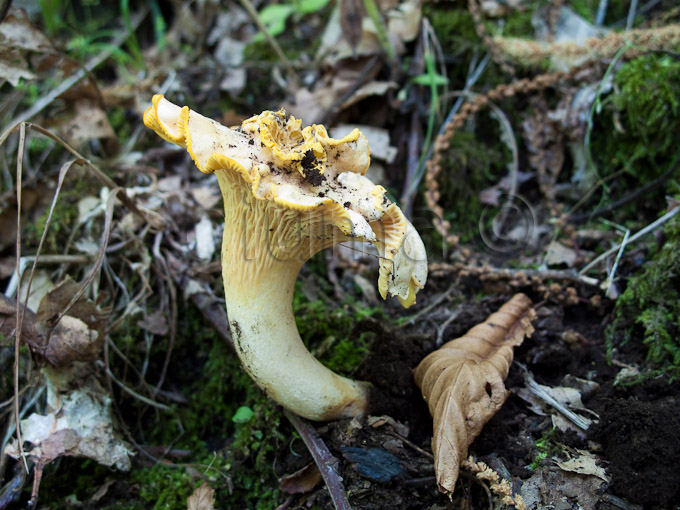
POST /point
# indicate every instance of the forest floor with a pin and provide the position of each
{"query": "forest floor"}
(533, 145)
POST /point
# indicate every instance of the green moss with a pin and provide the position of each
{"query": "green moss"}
(616, 10)
(587, 9)
(637, 129)
(649, 309)
(545, 447)
(120, 123)
(162, 487)
(328, 331)
(454, 27)
(65, 215)
(472, 164)
(518, 23)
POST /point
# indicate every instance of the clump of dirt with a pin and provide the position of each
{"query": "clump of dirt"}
(641, 441)
(389, 368)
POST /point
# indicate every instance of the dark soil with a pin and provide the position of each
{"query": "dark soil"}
(637, 437)
(640, 434)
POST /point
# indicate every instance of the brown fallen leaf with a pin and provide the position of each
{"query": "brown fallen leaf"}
(203, 498)
(302, 481)
(352, 14)
(462, 382)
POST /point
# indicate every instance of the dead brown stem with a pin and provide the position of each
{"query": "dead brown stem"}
(323, 458)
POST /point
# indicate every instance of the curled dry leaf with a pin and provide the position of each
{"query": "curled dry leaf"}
(203, 498)
(462, 383)
(302, 481)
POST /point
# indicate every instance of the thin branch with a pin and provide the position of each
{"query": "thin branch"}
(612, 273)
(537, 390)
(248, 6)
(630, 196)
(324, 459)
(640, 233)
(133, 393)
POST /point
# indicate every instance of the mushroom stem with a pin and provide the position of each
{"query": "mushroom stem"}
(289, 192)
(259, 270)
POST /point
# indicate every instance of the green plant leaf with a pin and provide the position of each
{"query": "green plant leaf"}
(242, 415)
(430, 79)
(274, 17)
(310, 6)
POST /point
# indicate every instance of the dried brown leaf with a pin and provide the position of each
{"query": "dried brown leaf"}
(16, 31)
(302, 481)
(352, 14)
(29, 332)
(203, 498)
(58, 298)
(71, 341)
(462, 382)
(155, 323)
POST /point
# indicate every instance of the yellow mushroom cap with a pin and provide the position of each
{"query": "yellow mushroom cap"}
(304, 169)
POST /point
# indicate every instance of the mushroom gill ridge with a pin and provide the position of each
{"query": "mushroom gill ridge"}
(289, 192)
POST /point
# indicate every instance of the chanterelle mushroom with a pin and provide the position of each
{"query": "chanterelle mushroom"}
(288, 193)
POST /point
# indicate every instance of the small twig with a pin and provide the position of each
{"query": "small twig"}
(272, 42)
(108, 222)
(164, 274)
(441, 328)
(630, 196)
(12, 489)
(631, 14)
(537, 390)
(323, 458)
(133, 393)
(601, 12)
(433, 304)
(543, 274)
(412, 445)
(640, 233)
(612, 273)
(32, 399)
(212, 309)
(473, 478)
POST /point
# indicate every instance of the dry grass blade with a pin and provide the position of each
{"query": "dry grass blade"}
(19, 315)
(462, 383)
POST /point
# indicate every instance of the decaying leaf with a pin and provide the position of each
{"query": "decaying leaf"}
(78, 422)
(156, 323)
(352, 14)
(72, 340)
(17, 37)
(17, 31)
(302, 481)
(584, 463)
(203, 498)
(462, 382)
